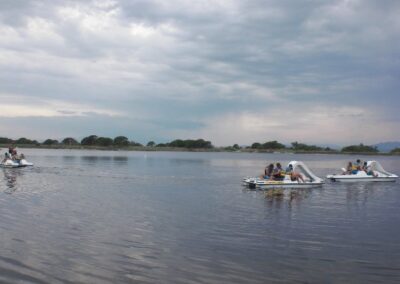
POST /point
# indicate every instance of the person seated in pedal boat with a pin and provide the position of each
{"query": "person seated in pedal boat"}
(368, 170)
(19, 157)
(356, 167)
(13, 152)
(364, 167)
(293, 175)
(278, 173)
(6, 157)
(268, 171)
(10, 149)
(349, 169)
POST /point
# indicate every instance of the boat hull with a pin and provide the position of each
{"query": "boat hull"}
(260, 184)
(361, 179)
(14, 164)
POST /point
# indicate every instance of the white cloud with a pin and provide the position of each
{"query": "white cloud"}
(21, 106)
(311, 124)
(238, 67)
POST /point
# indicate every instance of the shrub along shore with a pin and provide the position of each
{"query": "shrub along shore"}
(94, 142)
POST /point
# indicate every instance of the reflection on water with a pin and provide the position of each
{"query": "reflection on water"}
(92, 160)
(10, 179)
(95, 159)
(69, 158)
(162, 217)
(120, 159)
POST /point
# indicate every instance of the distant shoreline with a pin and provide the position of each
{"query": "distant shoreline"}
(176, 149)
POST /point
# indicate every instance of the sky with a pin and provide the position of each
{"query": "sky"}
(231, 72)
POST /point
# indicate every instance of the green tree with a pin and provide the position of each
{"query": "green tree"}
(135, 144)
(395, 151)
(273, 145)
(177, 143)
(89, 140)
(151, 144)
(69, 141)
(104, 141)
(25, 141)
(121, 141)
(360, 149)
(162, 145)
(50, 142)
(4, 140)
(191, 144)
(304, 147)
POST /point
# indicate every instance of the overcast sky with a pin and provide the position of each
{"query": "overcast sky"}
(325, 72)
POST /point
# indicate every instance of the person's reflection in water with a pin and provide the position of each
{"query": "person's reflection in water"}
(10, 177)
(298, 195)
(277, 196)
(361, 192)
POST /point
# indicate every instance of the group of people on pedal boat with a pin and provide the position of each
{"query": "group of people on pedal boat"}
(277, 173)
(12, 154)
(354, 168)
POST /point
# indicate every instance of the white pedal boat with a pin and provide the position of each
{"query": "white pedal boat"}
(310, 179)
(362, 176)
(15, 163)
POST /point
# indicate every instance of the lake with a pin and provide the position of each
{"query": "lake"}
(178, 217)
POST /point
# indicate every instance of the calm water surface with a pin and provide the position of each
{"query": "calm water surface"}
(136, 217)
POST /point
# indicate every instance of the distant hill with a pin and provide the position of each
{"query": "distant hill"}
(387, 146)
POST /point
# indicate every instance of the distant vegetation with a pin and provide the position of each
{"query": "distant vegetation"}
(107, 142)
(69, 141)
(295, 147)
(50, 142)
(122, 142)
(119, 141)
(360, 149)
(270, 145)
(25, 141)
(395, 151)
(308, 148)
(233, 148)
(190, 144)
(301, 147)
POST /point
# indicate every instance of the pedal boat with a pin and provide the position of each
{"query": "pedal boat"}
(362, 176)
(310, 179)
(15, 163)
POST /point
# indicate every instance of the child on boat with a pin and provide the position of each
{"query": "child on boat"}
(293, 175)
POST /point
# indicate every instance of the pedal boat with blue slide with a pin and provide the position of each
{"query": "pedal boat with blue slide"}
(378, 174)
(310, 179)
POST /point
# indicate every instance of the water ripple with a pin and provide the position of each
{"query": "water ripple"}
(108, 217)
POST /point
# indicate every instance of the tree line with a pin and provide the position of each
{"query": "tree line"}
(301, 147)
(119, 141)
(122, 141)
